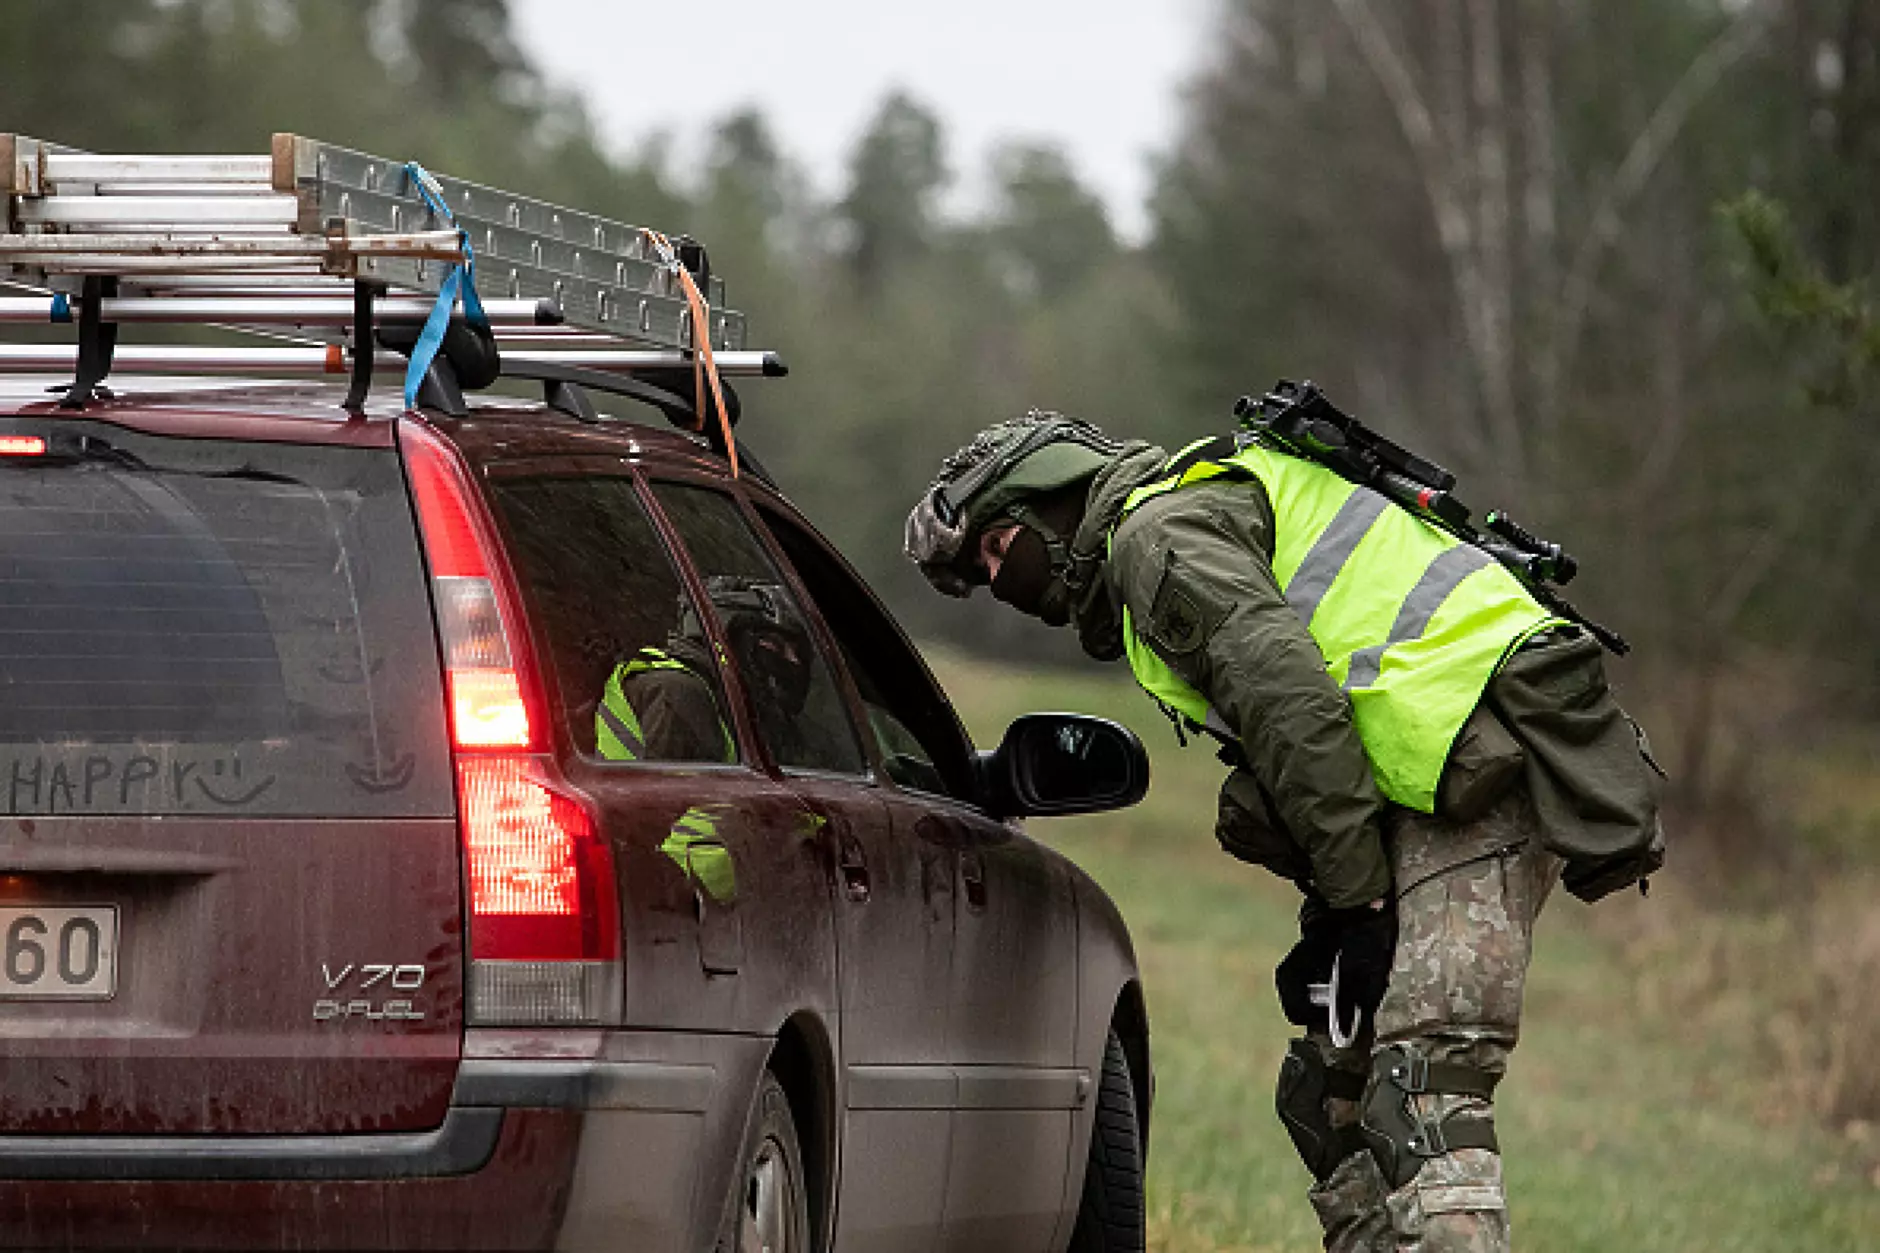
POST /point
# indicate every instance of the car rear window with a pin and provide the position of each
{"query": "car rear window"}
(214, 627)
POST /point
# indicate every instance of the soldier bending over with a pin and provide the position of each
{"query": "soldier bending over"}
(1415, 742)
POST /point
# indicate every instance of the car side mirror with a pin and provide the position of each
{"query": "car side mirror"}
(1050, 765)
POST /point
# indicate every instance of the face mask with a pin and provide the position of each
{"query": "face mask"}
(1054, 607)
(776, 664)
(1026, 581)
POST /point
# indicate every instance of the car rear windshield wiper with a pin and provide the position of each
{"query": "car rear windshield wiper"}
(254, 474)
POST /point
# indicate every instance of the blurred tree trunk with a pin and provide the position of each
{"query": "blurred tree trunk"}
(1522, 312)
(895, 176)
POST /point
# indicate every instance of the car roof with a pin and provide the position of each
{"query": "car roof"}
(298, 411)
(506, 427)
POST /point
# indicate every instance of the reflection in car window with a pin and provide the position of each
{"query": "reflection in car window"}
(903, 757)
(916, 733)
(635, 669)
(800, 711)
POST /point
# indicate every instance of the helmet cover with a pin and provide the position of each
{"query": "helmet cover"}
(1004, 464)
(768, 637)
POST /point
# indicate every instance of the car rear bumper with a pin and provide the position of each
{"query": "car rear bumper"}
(534, 1153)
(464, 1143)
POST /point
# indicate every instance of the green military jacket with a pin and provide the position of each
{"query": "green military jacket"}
(1233, 637)
(1237, 641)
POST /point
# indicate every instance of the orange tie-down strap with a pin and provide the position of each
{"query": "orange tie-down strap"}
(704, 363)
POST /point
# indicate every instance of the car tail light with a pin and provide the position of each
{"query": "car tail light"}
(486, 705)
(544, 917)
(22, 445)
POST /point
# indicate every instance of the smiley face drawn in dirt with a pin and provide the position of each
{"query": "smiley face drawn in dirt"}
(230, 790)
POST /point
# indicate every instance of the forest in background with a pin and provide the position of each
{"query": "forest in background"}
(1610, 260)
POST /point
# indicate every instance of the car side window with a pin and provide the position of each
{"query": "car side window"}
(636, 673)
(800, 711)
(916, 732)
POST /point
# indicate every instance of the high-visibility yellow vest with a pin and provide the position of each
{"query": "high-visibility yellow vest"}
(696, 846)
(1412, 622)
(617, 734)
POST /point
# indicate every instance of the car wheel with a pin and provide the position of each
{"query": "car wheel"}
(769, 1206)
(1110, 1216)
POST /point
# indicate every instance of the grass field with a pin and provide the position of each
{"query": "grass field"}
(1642, 1112)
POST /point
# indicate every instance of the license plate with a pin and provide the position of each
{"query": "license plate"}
(63, 951)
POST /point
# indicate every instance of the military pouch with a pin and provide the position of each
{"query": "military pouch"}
(1594, 783)
(1305, 1083)
(1248, 828)
(1591, 879)
(1484, 763)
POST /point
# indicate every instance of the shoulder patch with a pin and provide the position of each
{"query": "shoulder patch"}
(1180, 621)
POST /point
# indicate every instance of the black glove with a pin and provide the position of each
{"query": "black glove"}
(1367, 941)
(1309, 962)
(1362, 941)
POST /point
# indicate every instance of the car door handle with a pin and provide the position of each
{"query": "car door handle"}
(854, 866)
(973, 875)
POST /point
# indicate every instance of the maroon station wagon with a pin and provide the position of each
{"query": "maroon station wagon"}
(511, 830)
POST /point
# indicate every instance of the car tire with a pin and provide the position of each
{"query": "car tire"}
(768, 1209)
(1110, 1218)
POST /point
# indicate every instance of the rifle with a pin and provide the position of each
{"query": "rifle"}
(1296, 418)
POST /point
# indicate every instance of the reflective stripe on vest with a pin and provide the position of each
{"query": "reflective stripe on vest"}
(617, 733)
(1411, 621)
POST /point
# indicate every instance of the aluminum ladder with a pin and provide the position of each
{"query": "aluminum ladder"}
(325, 245)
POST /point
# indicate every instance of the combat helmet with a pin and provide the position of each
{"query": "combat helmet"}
(765, 632)
(990, 480)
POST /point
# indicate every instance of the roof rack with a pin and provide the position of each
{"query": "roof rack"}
(349, 253)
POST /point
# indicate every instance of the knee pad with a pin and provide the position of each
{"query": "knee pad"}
(1402, 1140)
(1305, 1081)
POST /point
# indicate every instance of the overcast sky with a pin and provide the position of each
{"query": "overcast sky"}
(1099, 77)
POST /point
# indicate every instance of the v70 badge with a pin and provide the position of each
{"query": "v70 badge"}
(353, 980)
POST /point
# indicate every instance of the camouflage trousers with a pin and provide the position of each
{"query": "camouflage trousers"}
(1468, 895)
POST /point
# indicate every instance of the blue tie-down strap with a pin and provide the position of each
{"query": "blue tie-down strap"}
(462, 280)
